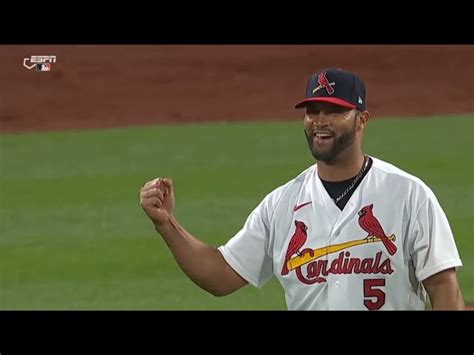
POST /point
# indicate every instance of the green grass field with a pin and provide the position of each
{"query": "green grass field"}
(73, 235)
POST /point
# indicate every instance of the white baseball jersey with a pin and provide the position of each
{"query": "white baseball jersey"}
(391, 235)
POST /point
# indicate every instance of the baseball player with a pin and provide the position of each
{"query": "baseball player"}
(351, 232)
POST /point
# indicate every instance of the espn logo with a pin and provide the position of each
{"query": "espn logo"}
(40, 62)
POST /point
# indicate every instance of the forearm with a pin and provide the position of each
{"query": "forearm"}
(202, 263)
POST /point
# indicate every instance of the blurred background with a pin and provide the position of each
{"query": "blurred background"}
(80, 136)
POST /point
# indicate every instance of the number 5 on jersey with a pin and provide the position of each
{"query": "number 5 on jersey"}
(374, 297)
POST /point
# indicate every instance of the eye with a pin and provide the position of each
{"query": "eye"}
(313, 112)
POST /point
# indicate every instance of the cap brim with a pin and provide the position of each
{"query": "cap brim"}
(332, 100)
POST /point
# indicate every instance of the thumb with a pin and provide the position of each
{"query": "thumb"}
(169, 184)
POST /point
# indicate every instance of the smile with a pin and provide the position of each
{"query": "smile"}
(323, 134)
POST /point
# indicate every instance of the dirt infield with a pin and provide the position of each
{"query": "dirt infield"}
(106, 86)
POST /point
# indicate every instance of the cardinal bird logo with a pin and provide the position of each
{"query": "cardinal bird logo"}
(371, 225)
(324, 82)
(296, 242)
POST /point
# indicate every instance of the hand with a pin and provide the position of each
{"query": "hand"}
(157, 200)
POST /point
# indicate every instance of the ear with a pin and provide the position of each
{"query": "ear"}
(371, 206)
(362, 120)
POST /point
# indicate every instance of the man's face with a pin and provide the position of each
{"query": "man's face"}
(330, 130)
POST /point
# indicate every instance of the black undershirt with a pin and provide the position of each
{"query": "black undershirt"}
(335, 188)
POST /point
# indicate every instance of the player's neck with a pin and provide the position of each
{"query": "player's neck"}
(346, 167)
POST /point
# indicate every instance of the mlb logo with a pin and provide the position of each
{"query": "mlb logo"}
(43, 67)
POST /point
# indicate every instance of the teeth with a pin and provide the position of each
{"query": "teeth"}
(323, 134)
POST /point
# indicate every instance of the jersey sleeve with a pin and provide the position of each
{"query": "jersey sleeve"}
(433, 248)
(247, 252)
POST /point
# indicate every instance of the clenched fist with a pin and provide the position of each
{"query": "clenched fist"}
(157, 200)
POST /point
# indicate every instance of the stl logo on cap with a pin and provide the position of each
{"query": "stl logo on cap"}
(324, 83)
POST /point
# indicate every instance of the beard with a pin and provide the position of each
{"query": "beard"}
(341, 143)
